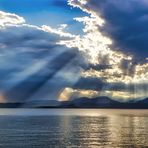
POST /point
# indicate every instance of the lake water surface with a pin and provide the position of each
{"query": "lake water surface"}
(73, 128)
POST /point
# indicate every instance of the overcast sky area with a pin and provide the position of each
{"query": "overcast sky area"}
(66, 49)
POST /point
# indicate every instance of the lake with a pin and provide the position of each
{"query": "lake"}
(73, 128)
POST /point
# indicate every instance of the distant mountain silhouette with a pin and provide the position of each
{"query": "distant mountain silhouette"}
(83, 102)
(10, 105)
(105, 102)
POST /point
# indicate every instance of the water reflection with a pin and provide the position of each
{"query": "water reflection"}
(113, 130)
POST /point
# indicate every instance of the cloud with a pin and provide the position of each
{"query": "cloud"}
(125, 23)
(10, 19)
(93, 87)
(109, 58)
(30, 56)
(112, 41)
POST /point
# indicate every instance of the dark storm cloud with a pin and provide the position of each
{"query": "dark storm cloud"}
(30, 56)
(97, 84)
(20, 46)
(128, 67)
(89, 83)
(126, 24)
(98, 67)
(32, 84)
(27, 36)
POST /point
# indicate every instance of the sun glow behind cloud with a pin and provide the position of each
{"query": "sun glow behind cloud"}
(95, 49)
(69, 93)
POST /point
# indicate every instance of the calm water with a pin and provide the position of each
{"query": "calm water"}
(73, 128)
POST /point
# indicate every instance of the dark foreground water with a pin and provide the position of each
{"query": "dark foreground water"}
(73, 128)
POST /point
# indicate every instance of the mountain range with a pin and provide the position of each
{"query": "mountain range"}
(83, 102)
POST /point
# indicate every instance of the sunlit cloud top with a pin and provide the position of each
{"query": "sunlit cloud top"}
(93, 51)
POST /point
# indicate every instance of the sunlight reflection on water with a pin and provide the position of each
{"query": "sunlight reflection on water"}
(73, 128)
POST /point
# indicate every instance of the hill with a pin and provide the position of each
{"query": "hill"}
(84, 102)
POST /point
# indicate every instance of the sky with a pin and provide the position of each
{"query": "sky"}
(67, 49)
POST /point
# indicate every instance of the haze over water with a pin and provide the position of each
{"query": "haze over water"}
(62, 128)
